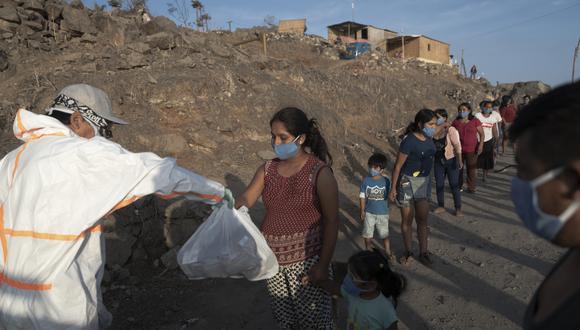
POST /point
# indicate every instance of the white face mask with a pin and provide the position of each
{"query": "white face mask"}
(525, 199)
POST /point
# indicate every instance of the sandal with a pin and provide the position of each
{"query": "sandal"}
(391, 257)
(406, 259)
(425, 259)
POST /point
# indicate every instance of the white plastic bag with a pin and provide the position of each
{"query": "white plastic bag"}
(228, 244)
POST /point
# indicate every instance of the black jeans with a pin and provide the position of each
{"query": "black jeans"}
(450, 168)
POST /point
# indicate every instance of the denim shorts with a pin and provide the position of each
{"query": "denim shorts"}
(381, 221)
(411, 189)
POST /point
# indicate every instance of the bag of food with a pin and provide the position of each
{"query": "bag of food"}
(228, 244)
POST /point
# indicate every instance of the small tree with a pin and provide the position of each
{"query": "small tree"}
(179, 10)
(205, 18)
(198, 6)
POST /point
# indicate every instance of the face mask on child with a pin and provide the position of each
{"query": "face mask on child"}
(351, 288)
(374, 172)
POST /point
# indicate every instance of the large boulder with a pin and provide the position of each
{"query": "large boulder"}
(161, 40)
(76, 21)
(9, 14)
(35, 5)
(112, 30)
(159, 24)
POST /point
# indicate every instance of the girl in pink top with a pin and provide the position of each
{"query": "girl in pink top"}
(448, 162)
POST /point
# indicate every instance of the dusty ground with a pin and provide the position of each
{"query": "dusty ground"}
(487, 266)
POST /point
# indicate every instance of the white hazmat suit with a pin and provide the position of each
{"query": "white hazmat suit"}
(54, 189)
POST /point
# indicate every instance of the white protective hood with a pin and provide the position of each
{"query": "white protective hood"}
(54, 189)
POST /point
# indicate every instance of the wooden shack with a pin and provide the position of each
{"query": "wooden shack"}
(420, 47)
(349, 32)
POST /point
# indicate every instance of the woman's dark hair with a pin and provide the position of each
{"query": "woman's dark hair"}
(483, 103)
(297, 123)
(374, 266)
(378, 159)
(442, 113)
(468, 106)
(63, 117)
(421, 118)
(552, 122)
(506, 100)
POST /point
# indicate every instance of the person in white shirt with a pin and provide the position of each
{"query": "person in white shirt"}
(490, 121)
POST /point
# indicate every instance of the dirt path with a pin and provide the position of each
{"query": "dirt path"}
(486, 268)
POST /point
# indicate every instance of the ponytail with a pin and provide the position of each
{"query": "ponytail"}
(391, 284)
(297, 123)
(413, 127)
(316, 142)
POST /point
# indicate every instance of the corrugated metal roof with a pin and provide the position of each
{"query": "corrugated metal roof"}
(357, 25)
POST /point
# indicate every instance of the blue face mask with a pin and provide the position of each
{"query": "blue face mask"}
(440, 121)
(429, 131)
(525, 199)
(374, 172)
(286, 150)
(486, 110)
(351, 288)
(464, 114)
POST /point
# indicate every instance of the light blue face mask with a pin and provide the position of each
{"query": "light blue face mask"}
(464, 114)
(374, 172)
(525, 199)
(440, 121)
(286, 150)
(351, 288)
(429, 131)
(487, 111)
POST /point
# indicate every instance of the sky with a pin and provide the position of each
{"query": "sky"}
(508, 40)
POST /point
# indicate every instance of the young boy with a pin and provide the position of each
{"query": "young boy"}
(374, 207)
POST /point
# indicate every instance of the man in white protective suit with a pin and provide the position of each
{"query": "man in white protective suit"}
(54, 189)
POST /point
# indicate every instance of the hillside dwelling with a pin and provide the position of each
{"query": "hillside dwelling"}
(349, 32)
(294, 26)
(420, 47)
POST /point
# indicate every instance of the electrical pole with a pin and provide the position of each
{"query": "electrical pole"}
(463, 64)
(403, 43)
(353, 10)
(574, 60)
